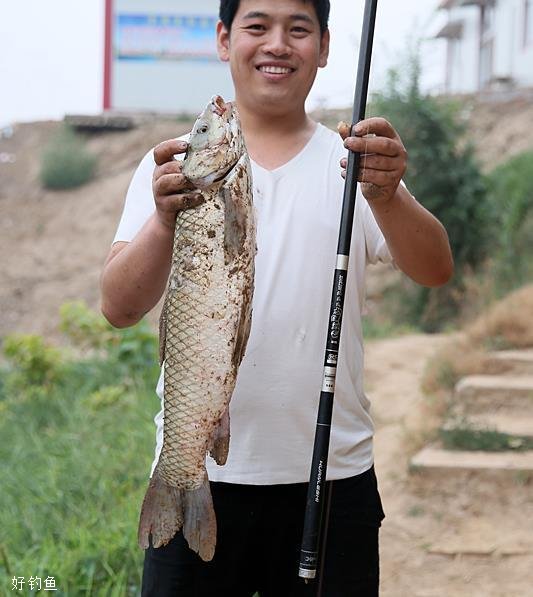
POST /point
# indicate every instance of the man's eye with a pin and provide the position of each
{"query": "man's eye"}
(301, 30)
(256, 27)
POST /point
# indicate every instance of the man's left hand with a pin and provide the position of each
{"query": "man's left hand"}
(383, 157)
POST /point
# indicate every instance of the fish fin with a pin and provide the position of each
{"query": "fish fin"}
(235, 213)
(219, 449)
(163, 330)
(161, 513)
(200, 525)
(242, 332)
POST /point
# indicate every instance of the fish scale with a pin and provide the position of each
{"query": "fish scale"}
(204, 328)
(188, 304)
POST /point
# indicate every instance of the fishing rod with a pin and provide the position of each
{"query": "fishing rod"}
(314, 512)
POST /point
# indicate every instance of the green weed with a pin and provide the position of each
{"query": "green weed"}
(466, 437)
(65, 162)
(74, 459)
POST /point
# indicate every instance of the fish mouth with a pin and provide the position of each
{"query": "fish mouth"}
(226, 173)
(219, 106)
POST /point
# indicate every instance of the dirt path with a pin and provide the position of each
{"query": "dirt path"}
(461, 536)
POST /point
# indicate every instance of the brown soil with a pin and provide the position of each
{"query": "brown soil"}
(53, 244)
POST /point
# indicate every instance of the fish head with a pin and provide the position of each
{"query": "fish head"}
(215, 144)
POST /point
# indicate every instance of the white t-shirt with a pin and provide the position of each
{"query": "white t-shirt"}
(274, 406)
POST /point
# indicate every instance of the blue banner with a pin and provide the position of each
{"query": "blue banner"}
(165, 37)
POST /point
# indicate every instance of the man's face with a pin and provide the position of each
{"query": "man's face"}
(274, 49)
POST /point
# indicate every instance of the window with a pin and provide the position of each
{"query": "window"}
(487, 18)
(528, 22)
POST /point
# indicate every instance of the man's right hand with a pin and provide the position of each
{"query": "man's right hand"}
(172, 191)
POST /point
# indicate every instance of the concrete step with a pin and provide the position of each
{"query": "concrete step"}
(517, 362)
(482, 393)
(433, 459)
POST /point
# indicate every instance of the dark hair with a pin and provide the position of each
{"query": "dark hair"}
(228, 8)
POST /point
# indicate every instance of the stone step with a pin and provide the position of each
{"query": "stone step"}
(432, 459)
(517, 362)
(481, 393)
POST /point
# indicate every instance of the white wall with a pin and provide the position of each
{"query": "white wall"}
(510, 58)
(464, 66)
(522, 68)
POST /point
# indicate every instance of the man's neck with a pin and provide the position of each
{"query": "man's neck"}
(274, 139)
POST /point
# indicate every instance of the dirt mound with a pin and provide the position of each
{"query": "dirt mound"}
(53, 244)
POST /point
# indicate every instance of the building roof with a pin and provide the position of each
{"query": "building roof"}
(452, 30)
(446, 4)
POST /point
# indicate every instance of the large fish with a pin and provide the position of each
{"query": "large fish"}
(204, 329)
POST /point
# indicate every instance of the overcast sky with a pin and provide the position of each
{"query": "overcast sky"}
(51, 53)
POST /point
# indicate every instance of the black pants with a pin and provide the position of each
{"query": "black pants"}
(258, 545)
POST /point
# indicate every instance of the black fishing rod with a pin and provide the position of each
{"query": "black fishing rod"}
(314, 512)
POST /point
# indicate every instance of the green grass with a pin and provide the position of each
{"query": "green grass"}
(466, 437)
(74, 463)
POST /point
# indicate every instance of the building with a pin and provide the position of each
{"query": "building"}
(489, 44)
(160, 56)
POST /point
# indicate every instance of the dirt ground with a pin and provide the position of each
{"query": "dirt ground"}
(455, 536)
(447, 537)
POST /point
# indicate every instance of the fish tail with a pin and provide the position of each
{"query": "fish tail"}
(167, 509)
(161, 513)
(200, 525)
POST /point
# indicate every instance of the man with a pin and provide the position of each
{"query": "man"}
(274, 48)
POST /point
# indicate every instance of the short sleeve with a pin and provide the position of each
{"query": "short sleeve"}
(139, 204)
(376, 245)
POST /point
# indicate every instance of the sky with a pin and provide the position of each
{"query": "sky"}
(51, 54)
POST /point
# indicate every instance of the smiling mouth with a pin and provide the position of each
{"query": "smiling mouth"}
(275, 70)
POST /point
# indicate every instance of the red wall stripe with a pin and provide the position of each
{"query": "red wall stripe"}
(108, 53)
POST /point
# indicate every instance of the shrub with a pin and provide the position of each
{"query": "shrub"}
(65, 162)
(135, 346)
(511, 198)
(445, 178)
(31, 359)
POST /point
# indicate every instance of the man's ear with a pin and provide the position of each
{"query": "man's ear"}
(222, 42)
(324, 49)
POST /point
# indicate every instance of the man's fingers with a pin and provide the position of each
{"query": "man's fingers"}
(376, 162)
(344, 129)
(165, 151)
(377, 126)
(174, 203)
(380, 145)
(173, 167)
(169, 184)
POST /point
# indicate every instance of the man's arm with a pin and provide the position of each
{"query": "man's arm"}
(417, 241)
(135, 273)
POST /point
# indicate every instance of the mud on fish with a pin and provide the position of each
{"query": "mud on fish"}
(204, 329)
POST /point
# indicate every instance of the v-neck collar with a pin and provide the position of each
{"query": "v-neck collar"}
(279, 171)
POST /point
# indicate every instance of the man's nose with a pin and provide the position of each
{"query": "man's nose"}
(277, 43)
